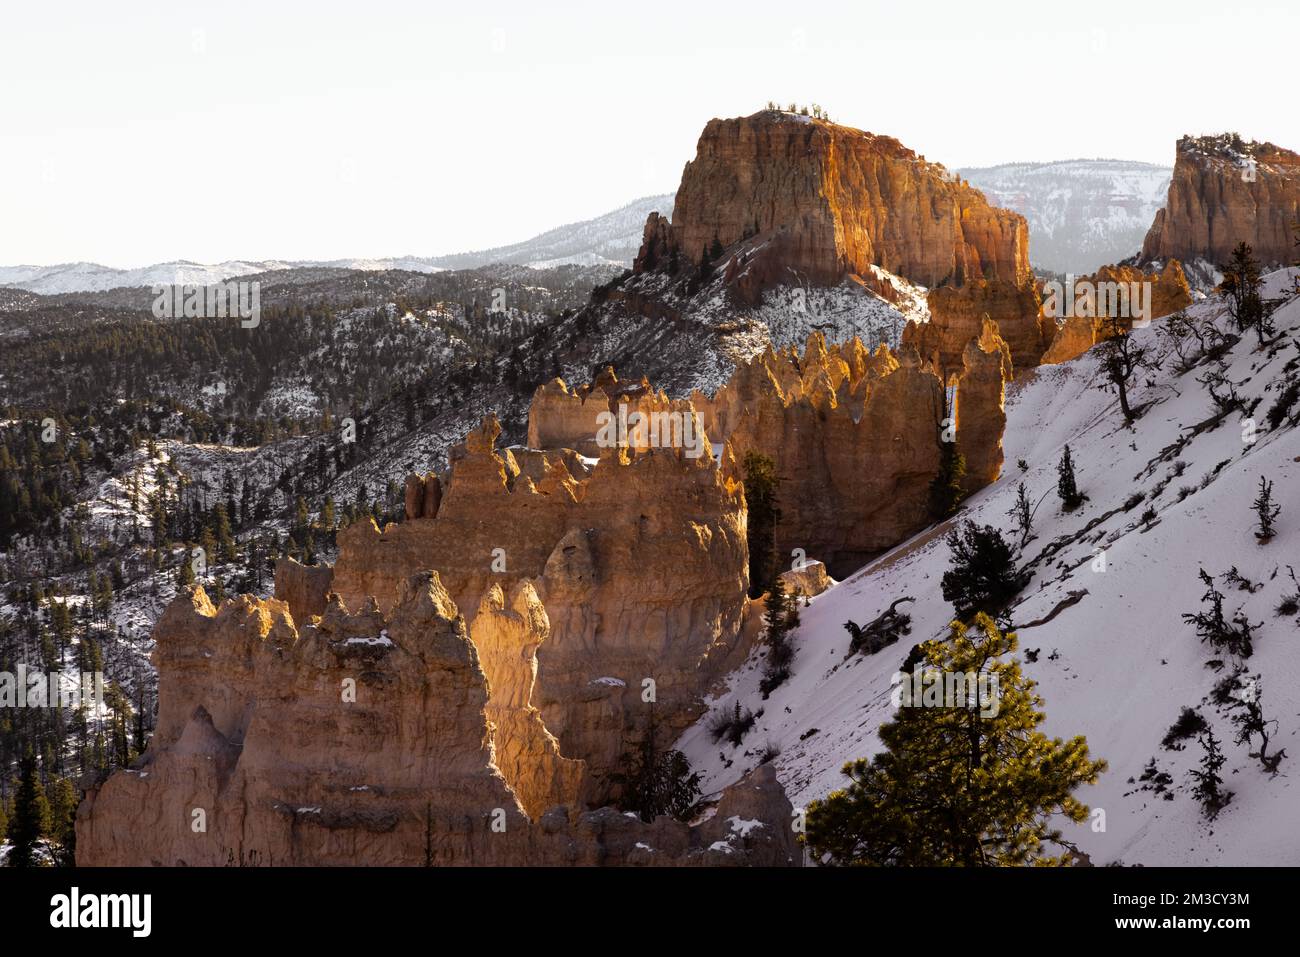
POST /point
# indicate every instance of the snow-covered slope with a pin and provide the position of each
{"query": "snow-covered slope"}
(1082, 213)
(1119, 665)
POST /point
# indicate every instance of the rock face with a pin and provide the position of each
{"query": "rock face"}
(979, 413)
(642, 568)
(855, 438)
(957, 316)
(809, 579)
(824, 200)
(1077, 333)
(371, 738)
(1225, 191)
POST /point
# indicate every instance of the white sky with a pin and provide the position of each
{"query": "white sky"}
(319, 130)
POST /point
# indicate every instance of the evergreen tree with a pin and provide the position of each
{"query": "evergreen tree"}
(1209, 784)
(1266, 512)
(983, 576)
(656, 783)
(31, 816)
(63, 820)
(761, 487)
(945, 489)
(1213, 626)
(1121, 358)
(1067, 488)
(955, 787)
(1023, 512)
(1243, 285)
(782, 620)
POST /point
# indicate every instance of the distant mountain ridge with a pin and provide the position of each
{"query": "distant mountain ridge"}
(611, 239)
(1082, 213)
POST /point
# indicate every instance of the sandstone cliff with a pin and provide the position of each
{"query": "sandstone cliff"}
(1225, 191)
(855, 438)
(822, 200)
(957, 316)
(1076, 334)
(641, 567)
(372, 738)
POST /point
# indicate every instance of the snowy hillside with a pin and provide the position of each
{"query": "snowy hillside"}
(1082, 213)
(1168, 497)
(614, 238)
(611, 239)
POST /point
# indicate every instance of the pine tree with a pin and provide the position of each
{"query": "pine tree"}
(31, 817)
(1209, 784)
(1243, 285)
(1066, 486)
(185, 575)
(1023, 512)
(761, 488)
(1213, 627)
(1266, 512)
(955, 787)
(656, 783)
(1121, 358)
(945, 489)
(983, 576)
(63, 819)
(782, 620)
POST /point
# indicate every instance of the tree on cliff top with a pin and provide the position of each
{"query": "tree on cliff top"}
(956, 786)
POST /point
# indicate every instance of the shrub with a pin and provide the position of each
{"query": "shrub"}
(983, 576)
(1189, 724)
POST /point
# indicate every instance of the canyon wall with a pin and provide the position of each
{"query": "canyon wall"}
(1225, 191)
(641, 567)
(856, 438)
(378, 738)
(1077, 333)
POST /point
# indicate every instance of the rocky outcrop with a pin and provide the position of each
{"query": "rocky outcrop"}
(808, 579)
(957, 316)
(608, 413)
(855, 438)
(423, 496)
(641, 567)
(821, 201)
(1225, 191)
(304, 588)
(507, 638)
(980, 416)
(1168, 291)
(370, 738)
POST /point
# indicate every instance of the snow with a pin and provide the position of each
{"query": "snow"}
(741, 826)
(1118, 666)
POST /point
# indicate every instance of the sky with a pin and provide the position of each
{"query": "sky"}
(212, 131)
